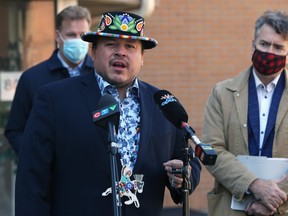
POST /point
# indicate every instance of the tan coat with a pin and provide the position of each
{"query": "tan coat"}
(225, 128)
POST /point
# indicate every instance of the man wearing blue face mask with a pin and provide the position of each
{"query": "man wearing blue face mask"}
(74, 50)
(68, 60)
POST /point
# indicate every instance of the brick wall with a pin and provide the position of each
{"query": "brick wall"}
(39, 32)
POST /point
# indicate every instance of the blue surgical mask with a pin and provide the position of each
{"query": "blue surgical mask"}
(74, 50)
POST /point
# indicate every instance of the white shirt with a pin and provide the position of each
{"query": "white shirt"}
(72, 71)
(264, 94)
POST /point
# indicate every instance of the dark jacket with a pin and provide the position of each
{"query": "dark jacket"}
(28, 86)
(64, 162)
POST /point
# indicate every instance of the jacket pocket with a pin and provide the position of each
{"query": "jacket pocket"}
(219, 205)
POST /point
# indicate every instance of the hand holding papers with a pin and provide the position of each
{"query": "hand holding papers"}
(264, 168)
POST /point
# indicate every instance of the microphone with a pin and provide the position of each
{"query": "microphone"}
(107, 115)
(176, 114)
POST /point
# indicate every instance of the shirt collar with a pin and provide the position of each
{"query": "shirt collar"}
(104, 86)
(65, 65)
(270, 85)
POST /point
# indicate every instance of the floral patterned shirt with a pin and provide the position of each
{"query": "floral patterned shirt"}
(129, 125)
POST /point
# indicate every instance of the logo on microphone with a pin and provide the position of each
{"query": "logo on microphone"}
(104, 112)
(168, 99)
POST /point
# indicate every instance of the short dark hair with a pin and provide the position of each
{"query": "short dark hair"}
(74, 12)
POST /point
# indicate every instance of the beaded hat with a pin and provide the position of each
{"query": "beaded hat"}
(121, 25)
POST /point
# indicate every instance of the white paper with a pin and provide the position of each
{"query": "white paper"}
(262, 167)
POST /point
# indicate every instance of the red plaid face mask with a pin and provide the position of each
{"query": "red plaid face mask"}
(268, 63)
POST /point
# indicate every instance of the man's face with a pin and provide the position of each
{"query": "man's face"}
(118, 61)
(71, 29)
(270, 41)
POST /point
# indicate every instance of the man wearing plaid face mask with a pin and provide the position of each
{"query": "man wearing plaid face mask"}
(248, 115)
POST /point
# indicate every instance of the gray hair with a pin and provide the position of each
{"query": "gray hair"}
(74, 12)
(278, 20)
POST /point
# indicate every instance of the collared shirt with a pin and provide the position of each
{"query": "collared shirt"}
(129, 125)
(264, 94)
(72, 71)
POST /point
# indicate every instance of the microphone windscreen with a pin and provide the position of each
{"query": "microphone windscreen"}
(106, 100)
(107, 111)
(171, 107)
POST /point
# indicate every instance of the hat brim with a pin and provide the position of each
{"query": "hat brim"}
(148, 43)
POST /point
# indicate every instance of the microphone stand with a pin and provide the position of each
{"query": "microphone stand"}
(114, 170)
(186, 184)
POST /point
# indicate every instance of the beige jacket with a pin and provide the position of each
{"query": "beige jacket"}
(225, 128)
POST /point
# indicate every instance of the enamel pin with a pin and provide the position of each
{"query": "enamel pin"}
(127, 187)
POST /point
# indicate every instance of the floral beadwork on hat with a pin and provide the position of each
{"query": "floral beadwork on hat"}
(121, 25)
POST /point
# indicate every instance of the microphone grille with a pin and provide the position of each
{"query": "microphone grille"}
(171, 107)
